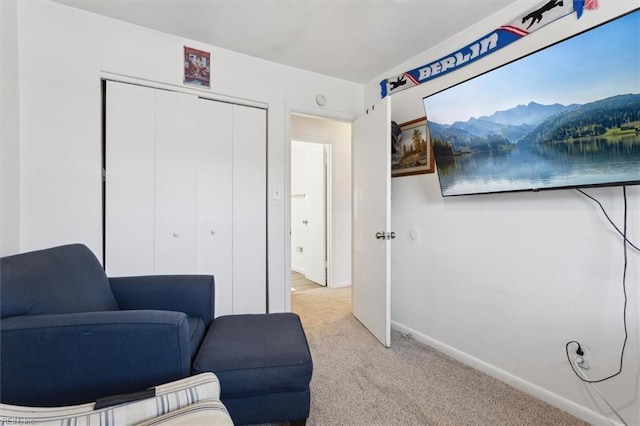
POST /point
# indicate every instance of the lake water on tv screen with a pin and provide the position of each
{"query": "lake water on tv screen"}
(558, 164)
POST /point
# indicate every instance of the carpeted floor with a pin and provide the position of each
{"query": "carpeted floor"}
(356, 381)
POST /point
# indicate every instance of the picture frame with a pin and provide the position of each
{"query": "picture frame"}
(197, 67)
(413, 151)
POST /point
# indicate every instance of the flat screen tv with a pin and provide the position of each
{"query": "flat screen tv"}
(565, 116)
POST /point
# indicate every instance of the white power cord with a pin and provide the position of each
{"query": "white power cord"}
(578, 369)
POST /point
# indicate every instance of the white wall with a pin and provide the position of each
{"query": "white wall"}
(64, 52)
(9, 131)
(338, 135)
(502, 281)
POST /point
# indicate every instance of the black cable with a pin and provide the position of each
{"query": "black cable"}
(608, 218)
(625, 242)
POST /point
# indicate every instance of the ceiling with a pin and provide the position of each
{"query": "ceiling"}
(354, 40)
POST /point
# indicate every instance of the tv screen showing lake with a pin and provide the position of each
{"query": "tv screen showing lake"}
(565, 116)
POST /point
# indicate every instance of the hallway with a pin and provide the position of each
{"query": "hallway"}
(300, 283)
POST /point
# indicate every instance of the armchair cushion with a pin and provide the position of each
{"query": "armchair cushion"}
(191, 294)
(189, 401)
(49, 360)
(60, 280)
(210, 412)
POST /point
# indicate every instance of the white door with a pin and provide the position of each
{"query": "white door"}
(315, 221)
(151, 198)
(249, 210)
(215, 214)
(308, 210)
(176, 181)
(371, 215)
(298, 206)
(130, 187)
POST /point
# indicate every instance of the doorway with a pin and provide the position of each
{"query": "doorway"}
(331, 140)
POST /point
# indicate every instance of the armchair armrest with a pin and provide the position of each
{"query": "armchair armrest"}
(191, 294)
(54, 360)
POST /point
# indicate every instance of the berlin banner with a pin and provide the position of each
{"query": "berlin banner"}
(530, 21)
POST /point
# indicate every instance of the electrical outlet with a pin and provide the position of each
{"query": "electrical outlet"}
(582, 363)
(581, 360)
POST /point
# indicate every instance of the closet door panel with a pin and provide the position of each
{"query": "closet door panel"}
(215, 218)
(249, 210)
(175, 183)
(129, 185)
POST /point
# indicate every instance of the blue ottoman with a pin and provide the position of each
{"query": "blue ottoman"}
(263, 364)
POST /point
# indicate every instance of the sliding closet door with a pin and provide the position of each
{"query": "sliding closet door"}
(176, 180)
(249, 210)
(129, 191)
(215, 220)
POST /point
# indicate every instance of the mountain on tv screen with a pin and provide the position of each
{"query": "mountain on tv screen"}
(563, 117)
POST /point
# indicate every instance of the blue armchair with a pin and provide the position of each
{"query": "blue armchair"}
(70, 335)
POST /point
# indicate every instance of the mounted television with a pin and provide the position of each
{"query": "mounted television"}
(565, 116)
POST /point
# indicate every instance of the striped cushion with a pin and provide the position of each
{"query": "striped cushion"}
(174, 397)
(206, 412)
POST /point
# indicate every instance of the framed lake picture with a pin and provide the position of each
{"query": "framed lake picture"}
(411, 152)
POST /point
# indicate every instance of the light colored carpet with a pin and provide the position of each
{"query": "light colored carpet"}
(356, 381)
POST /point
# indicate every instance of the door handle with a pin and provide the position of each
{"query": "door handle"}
(305, 222)
(385, 235)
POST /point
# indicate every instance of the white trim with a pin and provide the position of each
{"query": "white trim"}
(328, 199)
(517, 382)
(287, 208)
(202, 93)
(298, 270)
(318, 112)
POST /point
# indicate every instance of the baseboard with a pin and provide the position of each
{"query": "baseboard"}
(339, 285)
(551, 398)
(298, 269)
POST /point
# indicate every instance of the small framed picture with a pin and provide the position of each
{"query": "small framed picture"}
(411, 152)
(197, 67)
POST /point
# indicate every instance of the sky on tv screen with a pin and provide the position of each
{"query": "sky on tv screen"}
(599, 63)
(565, 116)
